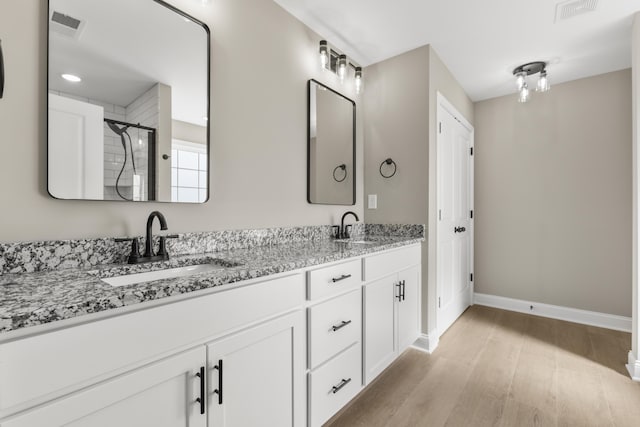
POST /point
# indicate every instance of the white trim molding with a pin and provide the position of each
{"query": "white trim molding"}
(633, 367)
(427, 342)
(585, 317)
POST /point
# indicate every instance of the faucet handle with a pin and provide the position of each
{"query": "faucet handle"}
(335, 230)
(162, 250)
(135, 250)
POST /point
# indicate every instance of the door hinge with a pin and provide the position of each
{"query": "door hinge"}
(471, 214)
(471, 276)
(440, 127)
(440, 214)
(471, 150)
(439, 301)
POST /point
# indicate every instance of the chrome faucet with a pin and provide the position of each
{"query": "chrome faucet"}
(344, 232)
(149, 255)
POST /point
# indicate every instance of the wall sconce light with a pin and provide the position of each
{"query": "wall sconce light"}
(525, 70)
(324, 54)
(358, 80)
(342, 67)
(339, 64)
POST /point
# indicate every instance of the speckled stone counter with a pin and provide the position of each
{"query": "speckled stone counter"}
(41, 297)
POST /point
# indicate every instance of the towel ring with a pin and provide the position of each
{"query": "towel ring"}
(344, 168)
(388, 161)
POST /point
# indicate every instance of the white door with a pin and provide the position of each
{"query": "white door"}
(76, 149)
(256, 377)
(455, 223)
(162, 394)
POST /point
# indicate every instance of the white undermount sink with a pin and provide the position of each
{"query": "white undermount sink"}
(359, 242)
(169, 273)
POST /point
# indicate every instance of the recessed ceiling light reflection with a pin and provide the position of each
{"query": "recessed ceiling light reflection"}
(71, 78)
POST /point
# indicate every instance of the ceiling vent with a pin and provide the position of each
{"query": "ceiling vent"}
(569, 9)
(66, 25)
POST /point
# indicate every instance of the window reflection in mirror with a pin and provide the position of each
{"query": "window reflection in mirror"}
(126, 80)
(331, 147)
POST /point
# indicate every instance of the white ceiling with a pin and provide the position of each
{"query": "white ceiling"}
(480, 41)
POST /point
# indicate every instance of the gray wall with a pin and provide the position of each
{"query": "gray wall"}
(553, 195)
(400, 116)
(262, 58)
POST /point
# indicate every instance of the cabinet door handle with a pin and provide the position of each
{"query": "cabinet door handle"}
(399, 296)
(403, 289)
(336, 388)
(337, 279)
(218, 391)
(201, 399)
(341, 325)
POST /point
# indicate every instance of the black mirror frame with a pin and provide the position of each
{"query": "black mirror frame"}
(353, 191)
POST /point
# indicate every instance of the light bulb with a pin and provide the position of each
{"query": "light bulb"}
(324, 54)
(523, 96)
(358, 81)
(543, 82)
(521, 80)
(342, 67)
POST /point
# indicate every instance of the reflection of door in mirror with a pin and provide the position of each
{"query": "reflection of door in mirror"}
(331, 147)
(139, 70)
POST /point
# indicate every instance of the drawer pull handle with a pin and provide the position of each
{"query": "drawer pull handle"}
(337, 279)
(337, 388)
(201, 399)
(341, 325)
(218, 391)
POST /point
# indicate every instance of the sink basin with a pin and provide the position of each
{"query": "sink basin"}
(169, 273)
(359, 242)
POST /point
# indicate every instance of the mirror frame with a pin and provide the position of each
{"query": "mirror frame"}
(205, 27)
(353, 145)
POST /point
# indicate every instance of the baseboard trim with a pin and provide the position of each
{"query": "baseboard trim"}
(585, 317)
(426, 342)
(633, 367)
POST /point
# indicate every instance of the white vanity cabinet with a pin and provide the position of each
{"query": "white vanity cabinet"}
(391, 307)
(254, 376)
(154, 395)
(144, 368)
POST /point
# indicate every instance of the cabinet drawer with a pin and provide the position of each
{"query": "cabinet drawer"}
(95, 351)
(376, 266)
(333, 326)
(332, 385)
(327, 281)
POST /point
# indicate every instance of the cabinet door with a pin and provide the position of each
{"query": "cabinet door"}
(162, 394)
(408, 308)
(256, 377)
(379, 320)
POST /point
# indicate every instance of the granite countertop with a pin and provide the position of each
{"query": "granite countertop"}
(30, 299)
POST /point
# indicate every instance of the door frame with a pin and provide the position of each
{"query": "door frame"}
(442, 105)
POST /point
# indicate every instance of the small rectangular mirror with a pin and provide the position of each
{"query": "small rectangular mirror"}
(128, 102)
(331, 147)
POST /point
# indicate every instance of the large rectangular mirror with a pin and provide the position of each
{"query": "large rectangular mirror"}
(128, 102)
(331, 143)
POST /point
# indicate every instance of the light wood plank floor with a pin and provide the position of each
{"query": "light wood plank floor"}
(500, 368)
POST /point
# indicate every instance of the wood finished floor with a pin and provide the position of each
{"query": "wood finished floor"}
(500, 368)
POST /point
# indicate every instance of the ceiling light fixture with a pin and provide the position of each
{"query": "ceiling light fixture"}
(525, 70)
(71, 78)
